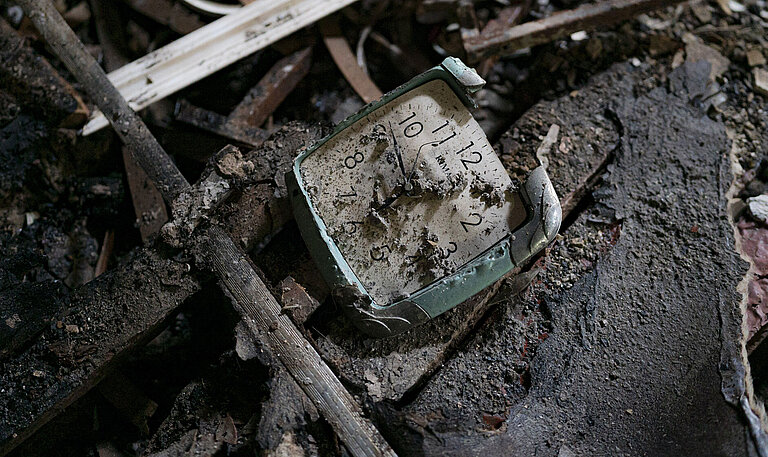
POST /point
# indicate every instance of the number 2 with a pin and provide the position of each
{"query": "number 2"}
(465, 224)
(473, 154)
(353, 194)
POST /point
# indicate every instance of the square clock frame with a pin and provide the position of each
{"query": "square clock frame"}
(405, 229)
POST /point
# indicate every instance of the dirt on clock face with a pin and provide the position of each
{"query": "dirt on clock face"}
(411, 192)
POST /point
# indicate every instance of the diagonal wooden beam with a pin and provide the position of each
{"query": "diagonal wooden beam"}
(557, 26)
(249, 294)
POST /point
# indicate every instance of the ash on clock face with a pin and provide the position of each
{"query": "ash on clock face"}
(411, 192)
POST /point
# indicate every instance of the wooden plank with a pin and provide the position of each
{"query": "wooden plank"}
(99, 324)
(129, 400)
(214, 248)
(264, 98)
(219, 125)
(169, 13)
(344, 58)
(148, 204)
(211, 48)
(259, 210)
(266, 321)
(557, 26)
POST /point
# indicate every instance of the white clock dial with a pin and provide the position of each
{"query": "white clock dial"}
(411, 192)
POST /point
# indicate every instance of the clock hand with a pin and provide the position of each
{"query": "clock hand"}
(407, 184)
(407, 187)
(416, 161)
(391, 199)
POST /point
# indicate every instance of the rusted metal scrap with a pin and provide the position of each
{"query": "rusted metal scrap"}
(557, 26)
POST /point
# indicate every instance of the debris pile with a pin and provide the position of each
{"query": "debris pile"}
(157, 299)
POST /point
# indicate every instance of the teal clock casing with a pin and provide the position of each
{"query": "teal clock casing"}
(539, 227)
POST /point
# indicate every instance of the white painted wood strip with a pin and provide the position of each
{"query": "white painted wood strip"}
(211, 48)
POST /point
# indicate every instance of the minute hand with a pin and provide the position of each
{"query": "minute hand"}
(416, 161)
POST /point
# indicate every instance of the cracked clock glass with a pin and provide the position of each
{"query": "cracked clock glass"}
(411, 192)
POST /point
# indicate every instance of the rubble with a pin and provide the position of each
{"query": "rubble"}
(114, 341)
(761, 81)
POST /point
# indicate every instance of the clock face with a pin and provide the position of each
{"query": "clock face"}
(411, 192)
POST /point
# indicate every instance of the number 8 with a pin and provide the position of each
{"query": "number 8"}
(354, 160)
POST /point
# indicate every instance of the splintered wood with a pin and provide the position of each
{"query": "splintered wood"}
(211, 48)
(267, 95)
(342, 54)
(556, 26)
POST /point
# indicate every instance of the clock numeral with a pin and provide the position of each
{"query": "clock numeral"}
(350, 227)
(478, 220)
(452, 247)
(407, 118)
(447, 138)
(413, 129)
(441, 127)
(352, 161)
(471, 143)
(474, 154)
(353, 194)
(377, 252)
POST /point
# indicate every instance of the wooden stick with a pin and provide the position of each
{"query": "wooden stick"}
(217, 124)
(342, 54)
(264, 98)
(129, 127)
(266, 322)
(106, 252)
(250, 295)
(559, 25)
(147, 202)
(259, 211)
(211, 48)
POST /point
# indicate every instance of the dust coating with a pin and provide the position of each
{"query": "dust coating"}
(411, 192)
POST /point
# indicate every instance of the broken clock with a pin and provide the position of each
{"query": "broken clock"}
(408, 211)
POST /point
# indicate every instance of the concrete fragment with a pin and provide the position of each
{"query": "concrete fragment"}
(755, 58)
(758, 206)
(696, 51)
(702, 12)
(761, 81)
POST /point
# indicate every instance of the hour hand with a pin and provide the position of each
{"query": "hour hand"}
(397, 153)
